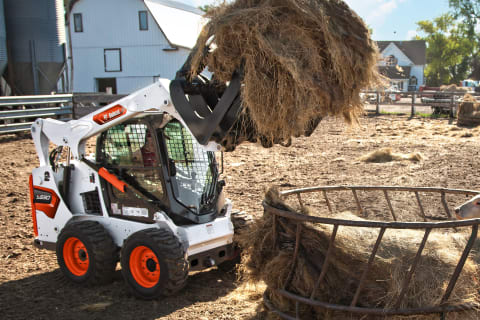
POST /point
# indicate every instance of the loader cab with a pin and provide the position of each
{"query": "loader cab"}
(166, 169)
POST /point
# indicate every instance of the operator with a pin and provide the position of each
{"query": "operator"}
(147, 153)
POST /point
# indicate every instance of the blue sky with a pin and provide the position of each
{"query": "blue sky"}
(389, 19)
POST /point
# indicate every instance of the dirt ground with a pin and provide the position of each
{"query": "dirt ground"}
(32, 287)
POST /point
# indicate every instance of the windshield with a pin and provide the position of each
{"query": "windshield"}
(194, 181)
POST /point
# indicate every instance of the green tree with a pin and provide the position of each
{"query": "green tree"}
(206, 8)
(468, 11)
(449, 50)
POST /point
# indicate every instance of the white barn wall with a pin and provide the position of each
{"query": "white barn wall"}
(109, 24)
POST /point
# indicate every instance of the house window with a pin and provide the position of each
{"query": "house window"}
(112, 60)
(77, 22)
(142, 20)
(391, 60)
(413, 81)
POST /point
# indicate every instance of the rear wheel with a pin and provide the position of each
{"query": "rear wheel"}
(86, 253)
(153, 263)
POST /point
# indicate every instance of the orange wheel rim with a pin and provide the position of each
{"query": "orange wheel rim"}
(144, 266)
(75, 256)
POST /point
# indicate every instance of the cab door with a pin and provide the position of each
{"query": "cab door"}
(130, 151)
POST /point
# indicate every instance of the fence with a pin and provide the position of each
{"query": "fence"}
(17, 113)
(439, 101)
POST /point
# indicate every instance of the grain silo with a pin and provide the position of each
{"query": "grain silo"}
(36, 45)
(3, 41)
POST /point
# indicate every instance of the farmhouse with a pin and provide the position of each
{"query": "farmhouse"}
(120, 46)
(403, 62)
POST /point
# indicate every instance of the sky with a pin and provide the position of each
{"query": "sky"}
(389, 19)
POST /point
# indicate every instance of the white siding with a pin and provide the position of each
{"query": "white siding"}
(111, 24)
(418, 71)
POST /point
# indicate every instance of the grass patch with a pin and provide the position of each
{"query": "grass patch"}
(391, 113)
(432, 115)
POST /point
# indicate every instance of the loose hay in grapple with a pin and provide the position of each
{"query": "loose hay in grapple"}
(301, 60)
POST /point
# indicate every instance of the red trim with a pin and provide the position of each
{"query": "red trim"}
(109, 114)
(50, 209)
(76, 257)
(112, 179)
(138, 263)
(34, 210)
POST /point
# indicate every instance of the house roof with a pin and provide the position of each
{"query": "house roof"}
(415, 50)
(395, 72)
(180, 23)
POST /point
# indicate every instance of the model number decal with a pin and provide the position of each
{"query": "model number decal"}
(42, 196)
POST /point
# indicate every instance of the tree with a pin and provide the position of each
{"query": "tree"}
(469, 12)
(449, 50)
(206, 8)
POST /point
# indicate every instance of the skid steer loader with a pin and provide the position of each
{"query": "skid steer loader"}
(149, 197)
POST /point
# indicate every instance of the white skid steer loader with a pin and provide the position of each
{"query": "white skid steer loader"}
(150, 195)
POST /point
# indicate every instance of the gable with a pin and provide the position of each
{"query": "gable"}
(392, 49)
(415, 50)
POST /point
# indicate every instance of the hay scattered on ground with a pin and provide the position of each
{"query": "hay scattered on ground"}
(353, 247)
(386, 155)
(301, 60)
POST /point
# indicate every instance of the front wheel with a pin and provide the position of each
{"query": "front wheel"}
(153, 263)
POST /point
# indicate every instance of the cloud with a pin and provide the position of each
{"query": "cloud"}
(374, 12)
(411, 34)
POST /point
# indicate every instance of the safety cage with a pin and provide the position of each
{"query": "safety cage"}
(142, 154)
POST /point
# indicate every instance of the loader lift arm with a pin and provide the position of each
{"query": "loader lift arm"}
(154, 99)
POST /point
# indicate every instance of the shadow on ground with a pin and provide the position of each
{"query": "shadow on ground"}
(50, 296)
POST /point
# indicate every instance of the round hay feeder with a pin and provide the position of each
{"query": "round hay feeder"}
(336, 283)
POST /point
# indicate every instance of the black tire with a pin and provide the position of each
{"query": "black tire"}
(154, 264)
(86, 253)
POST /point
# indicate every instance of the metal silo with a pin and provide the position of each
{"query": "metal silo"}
(3, 41)
(36, 43)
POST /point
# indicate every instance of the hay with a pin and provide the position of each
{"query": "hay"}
(453, 88)
(468, 113)
(352, 250)
(301, 60)
(386, 155)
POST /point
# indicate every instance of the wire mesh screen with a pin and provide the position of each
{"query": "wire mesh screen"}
(123, 145)
(195, 168)
(132, 147)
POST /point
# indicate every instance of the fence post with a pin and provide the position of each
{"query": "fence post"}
(377, 111)
(413, 103)
(452, 101)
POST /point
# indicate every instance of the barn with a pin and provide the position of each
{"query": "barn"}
(120, 46)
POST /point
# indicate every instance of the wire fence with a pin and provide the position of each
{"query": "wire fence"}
(440, 102)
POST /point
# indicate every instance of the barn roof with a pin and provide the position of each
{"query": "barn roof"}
(415, 50)
(180, 23)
